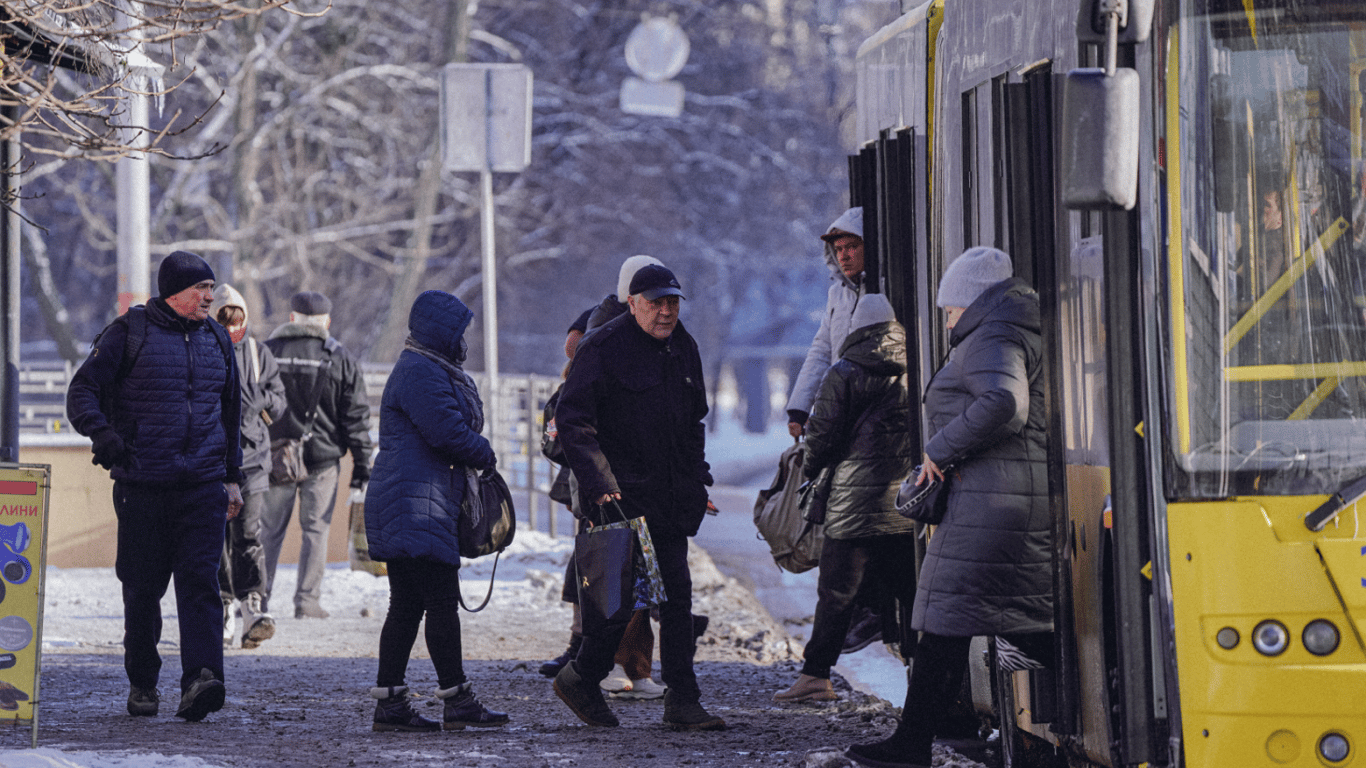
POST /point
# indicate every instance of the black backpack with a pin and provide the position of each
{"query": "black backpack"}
(135, 319)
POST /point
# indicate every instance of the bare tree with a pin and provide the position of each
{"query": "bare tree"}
(67, 64)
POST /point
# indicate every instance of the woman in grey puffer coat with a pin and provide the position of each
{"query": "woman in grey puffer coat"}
(988, 567)
(859, 426)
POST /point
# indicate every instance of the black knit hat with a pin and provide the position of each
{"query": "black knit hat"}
(179, 271)
(310, 303)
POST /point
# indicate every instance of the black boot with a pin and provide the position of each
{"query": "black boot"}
(463, 709)
(393, 712)
(685, 713)
(584, 698)
(553, 667)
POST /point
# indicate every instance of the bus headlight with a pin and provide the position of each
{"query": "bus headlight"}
(1320, 637)
(1334, 748)
(1270, 638)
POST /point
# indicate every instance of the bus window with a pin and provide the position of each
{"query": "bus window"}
(1266, 268)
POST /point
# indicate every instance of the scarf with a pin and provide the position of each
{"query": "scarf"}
(462, 380)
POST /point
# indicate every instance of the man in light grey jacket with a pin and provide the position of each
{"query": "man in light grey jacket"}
(844, 254)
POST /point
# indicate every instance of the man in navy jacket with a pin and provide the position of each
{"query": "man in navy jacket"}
(159, 399)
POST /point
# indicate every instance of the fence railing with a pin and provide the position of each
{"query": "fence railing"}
(513, 425)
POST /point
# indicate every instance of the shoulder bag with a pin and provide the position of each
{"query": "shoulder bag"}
(287, 453)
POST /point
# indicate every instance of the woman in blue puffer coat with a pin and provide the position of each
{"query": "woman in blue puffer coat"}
(429, 424)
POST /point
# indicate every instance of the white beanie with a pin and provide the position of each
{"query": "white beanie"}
(629, 268)
(225, 295)
(971, 274)
(872, 309)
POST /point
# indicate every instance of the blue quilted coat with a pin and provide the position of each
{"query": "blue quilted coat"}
(425, 442)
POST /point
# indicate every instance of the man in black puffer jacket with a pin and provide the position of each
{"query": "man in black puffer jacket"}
(859, 427)
(165, 422)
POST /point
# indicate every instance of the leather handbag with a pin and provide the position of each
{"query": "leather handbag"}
(926, 503)
(604, 557)
(487, 524)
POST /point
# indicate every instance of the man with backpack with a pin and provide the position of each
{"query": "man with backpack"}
(159, 399)
(328, 416)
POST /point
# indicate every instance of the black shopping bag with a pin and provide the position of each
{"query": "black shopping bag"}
(605, 560)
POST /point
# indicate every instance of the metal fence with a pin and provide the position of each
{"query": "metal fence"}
(513, 425)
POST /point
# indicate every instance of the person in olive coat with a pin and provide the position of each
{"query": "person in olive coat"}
(988, 566)
(860, 427)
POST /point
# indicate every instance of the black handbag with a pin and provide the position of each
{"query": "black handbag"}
(925, 503)
(605, 560)
(814, 496)
(287, 453)
(487, 524)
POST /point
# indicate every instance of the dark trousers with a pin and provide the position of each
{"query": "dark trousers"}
(847, 566)
(936, 676)
(676, 642)
(241, 569)
(418, 587)
(165, 532)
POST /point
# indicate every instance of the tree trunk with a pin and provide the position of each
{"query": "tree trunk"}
(49, 298)
(425, 199)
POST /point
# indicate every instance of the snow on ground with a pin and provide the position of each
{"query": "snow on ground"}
(55, 758)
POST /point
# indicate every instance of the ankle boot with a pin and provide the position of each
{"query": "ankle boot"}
(553, 667)
(463, 709)
(685, 713)
(808, 688)
(393, 711)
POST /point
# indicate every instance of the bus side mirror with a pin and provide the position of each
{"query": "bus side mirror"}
(1100, 139)
(1135, 20)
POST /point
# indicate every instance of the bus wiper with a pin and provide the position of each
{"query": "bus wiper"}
(1349, 495)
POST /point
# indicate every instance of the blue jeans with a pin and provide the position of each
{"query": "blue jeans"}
(165, 532)
(317, 496)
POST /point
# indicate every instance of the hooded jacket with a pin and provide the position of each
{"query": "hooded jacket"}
(630, 421)
(343, 420)
(988, 568)
(426, 440)
(263, 393)
(860, 425)
(177, 409)
(836, 322)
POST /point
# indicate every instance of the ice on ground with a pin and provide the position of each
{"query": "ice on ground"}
(55, 758)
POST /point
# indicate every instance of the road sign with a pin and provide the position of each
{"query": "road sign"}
(486, 117)
(656, 50)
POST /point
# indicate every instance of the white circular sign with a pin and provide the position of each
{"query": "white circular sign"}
(15, 633)
(657, 49)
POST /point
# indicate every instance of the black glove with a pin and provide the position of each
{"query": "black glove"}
(798, 417)
(109, 448)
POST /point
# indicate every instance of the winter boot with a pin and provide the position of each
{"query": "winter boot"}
(685, 713)
(393, 712)
(229, 625)
(143, 702)
(205, 695)
(807, 688)
(463, 709)
(553, 667)
(584, 698)
(257, 625)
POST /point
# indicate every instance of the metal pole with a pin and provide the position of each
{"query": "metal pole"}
(133, 200)
(9, 292)
(490, 292)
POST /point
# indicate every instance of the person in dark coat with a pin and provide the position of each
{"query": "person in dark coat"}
(860, 427)
(630, 422)
(305, 349)
(988, 567)
(242, 569)
(165, 423)
(630, 677)
(429, 423)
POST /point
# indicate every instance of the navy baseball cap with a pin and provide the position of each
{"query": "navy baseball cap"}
(655, 280)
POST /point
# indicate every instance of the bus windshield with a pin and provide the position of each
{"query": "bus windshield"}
(1266, 247)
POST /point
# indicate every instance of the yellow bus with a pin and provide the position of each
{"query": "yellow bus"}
(1183, 182)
